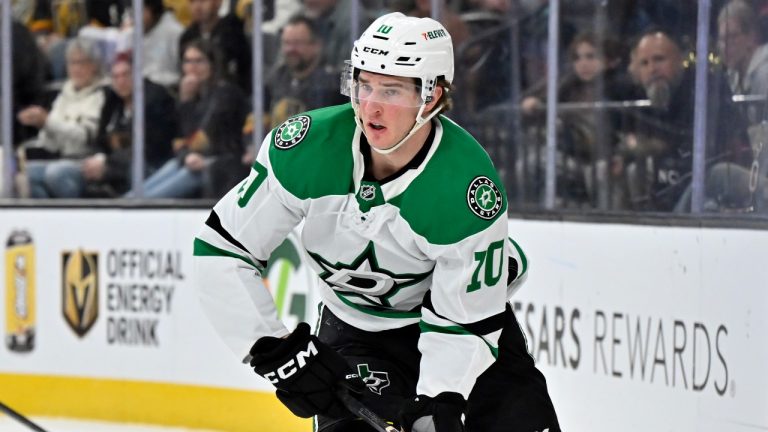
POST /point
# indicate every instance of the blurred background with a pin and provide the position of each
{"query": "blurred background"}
(585, 106)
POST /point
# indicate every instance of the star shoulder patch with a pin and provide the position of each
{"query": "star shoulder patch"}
(292, 132)
(484, 198)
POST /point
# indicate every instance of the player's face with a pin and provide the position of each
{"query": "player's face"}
(388, 107)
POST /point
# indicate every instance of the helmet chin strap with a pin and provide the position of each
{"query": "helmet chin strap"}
(420, 121)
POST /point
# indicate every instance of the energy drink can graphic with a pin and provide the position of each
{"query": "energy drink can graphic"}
(20, 292)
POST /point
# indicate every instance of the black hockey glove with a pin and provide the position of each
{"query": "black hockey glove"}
(439, 414)
(306, 372)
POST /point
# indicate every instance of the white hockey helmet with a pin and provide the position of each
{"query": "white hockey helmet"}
(405, 46)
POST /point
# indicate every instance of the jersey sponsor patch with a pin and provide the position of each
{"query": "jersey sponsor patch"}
(484, 198)
(292, 132)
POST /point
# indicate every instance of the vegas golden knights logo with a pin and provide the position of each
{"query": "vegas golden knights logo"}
(80, 285)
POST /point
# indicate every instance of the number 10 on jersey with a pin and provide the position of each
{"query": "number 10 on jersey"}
(489, 265)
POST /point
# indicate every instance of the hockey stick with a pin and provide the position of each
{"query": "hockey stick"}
(357, 408)
(20, 418)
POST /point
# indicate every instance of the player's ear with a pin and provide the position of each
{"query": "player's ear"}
(437, 98)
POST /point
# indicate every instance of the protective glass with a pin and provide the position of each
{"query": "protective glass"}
(396, 93)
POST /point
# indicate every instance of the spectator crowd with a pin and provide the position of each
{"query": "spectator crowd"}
(625, 98)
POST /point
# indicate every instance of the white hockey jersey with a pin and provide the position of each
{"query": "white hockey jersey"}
(429, 246)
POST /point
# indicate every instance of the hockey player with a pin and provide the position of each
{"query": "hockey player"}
(405, 224)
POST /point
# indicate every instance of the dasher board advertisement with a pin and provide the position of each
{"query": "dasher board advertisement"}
(20, 288)
(636, 328)
(111, 295)
(641, 328)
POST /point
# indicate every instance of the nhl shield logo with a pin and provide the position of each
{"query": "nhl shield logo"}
(484, 198)
(80, 286)
(368, 192)
(292, 132)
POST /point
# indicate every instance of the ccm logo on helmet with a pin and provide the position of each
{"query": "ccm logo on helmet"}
(375, 51)
(293, 365)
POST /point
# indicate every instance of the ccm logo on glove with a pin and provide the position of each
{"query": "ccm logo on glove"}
(293, 365)
(307, 373)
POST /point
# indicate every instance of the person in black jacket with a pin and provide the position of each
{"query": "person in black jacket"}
(28, 73)
(658, 140)
(108, 172)
(300, 82)
(227, 36)
(209, 145)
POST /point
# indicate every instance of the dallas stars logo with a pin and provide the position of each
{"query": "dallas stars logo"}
(364, 279)
(292, 132)
(376, 381)
(484, 198)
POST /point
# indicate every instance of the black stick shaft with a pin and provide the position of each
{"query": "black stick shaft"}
(357, 408)
(20, 418)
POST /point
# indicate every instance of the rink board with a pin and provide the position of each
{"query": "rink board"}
(636, 327)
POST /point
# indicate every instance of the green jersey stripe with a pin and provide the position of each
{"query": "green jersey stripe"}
(523, 258)
(203, 248)
(378, 312)
(479, 328)
(426, 327)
